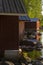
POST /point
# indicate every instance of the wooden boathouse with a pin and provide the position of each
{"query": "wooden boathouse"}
(10, 10)
(31, 25)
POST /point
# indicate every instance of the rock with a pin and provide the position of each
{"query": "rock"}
(36, 62)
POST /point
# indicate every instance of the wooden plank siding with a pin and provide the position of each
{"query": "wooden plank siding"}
(9, 34)
(38, 28)
(21, 29)
(38, 25)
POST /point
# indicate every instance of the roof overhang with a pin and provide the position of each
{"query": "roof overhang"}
(13, 14)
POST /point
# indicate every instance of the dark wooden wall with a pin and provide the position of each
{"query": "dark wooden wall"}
(34, 26)
(30, 26)
(9, 32)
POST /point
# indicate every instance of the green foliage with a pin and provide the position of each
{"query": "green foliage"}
(32, 54)
(33, 8)
(34, 11)
(42, 21)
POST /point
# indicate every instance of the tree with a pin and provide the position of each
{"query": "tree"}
(33, 8)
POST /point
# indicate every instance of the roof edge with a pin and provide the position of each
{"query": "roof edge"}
(14, 14)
